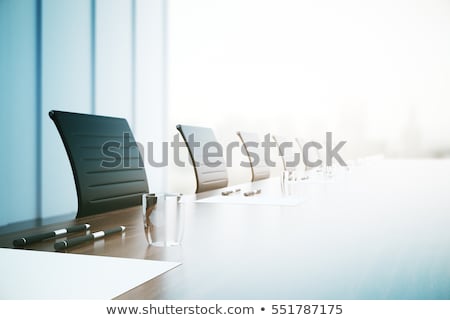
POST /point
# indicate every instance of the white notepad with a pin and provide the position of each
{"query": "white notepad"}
(259, 199)
(28, 274)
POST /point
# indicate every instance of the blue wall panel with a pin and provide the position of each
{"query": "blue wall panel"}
(114, 59)
(18, 172)
(66, 85)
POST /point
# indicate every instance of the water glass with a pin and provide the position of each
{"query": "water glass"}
(164, 217)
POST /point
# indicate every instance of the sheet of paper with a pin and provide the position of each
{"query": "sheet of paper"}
(28, 274)
(259, 199)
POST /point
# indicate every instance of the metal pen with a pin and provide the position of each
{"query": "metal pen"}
(21, 242)
(88, 238)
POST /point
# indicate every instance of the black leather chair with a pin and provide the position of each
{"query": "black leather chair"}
(208, 177)
(106, 162)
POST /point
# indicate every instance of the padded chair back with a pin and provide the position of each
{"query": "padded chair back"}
(209, 177)
(106, 162)
(290, 152)
(260, 170)
(313, 154)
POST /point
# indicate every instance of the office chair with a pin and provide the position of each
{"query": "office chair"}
(209, 177)
(312, 155)
(106, 163)
(259, 168)
(291, 153)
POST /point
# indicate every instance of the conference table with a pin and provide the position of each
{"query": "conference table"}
(377, 230)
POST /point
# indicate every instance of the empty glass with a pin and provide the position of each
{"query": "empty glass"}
(288, 182)
(164, 216)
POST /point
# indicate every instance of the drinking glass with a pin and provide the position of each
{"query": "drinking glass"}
(164, 217)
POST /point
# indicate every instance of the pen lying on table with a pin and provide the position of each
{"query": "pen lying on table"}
(90, 237)
(228, 192)
(252, 193)
(21, 242)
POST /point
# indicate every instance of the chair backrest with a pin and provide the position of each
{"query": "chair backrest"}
(212, 173)
(313, 154)
(106, 162)
(290, 152)
(251, 143)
